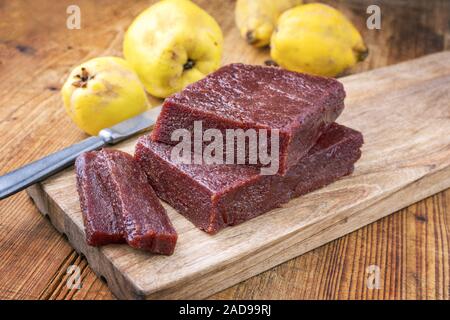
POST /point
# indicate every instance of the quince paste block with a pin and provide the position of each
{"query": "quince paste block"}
(118, 204)
(215, 196)
(239, 96)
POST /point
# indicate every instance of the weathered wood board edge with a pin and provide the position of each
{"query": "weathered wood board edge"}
(248, 266)
(99, 263)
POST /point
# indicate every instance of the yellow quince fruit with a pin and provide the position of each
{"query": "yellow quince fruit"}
(316, 38)
(172, 44)
(256, 19)
(102, 92)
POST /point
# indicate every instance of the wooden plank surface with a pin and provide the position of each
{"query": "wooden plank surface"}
(36, 51)
(403, 112)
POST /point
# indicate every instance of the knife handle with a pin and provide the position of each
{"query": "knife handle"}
(29, 174)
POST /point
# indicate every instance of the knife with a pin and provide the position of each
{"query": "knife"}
(29, 174)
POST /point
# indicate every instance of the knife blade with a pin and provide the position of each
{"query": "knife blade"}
(31, 173)
(130, 126)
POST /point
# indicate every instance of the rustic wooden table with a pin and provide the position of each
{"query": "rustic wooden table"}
(411, 247)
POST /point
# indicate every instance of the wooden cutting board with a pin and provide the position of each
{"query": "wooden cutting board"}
(403, 112)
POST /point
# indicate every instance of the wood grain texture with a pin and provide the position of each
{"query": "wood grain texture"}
(406, 157)
(37, 51)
